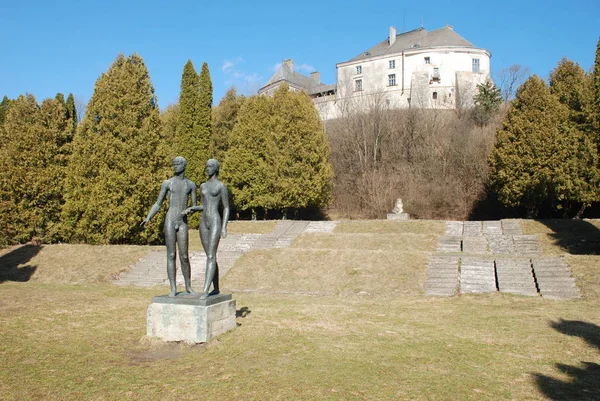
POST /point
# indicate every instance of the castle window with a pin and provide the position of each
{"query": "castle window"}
(359, 69)
(434, 95)
(392, 63)
(427, 60)
(475, 65)
(358, 85)
(392, 80)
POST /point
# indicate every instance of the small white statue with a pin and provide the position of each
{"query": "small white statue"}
(398, 208)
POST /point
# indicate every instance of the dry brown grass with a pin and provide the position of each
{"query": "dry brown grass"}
(69, 342)
(430, 227)
(581, 237)
(368, 242)
(329, 271)
(370, 334)
(66, 263)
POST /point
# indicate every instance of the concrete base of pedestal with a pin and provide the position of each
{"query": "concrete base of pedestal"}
(190, 319)
(398, 216)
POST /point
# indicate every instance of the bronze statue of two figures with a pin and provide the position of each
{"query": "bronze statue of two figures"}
(213, 193)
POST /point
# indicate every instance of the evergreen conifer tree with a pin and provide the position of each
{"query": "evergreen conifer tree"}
(169, 119)
(190, 142)
(60, 98)
(119, 159)
(4, 109)
(278, 156)
(570, 85)
(302, 162)
(33, 164)
(595, 102)
(72, 112)
(224, 117)
(541, 162)
(487, 102)
(203, 119)
(247, 168)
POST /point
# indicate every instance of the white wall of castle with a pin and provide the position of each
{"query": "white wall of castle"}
(415, 83)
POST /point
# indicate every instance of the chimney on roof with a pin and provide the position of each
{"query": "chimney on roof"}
(392, 38)
(289, 63)
(316, 77)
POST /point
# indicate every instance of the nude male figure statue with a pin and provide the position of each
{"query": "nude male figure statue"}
(179, 189)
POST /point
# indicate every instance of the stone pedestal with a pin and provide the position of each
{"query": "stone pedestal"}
(189, 318)
(398, 216)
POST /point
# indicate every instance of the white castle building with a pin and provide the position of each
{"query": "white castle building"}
(418, 68)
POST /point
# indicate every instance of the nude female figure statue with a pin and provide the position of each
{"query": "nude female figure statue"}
(179, 189)
(212, 227)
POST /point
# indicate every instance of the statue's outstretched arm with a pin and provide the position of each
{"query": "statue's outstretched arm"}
(193, 209)
(156, 207)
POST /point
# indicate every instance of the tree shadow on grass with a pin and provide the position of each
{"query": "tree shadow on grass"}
(10, 262)
(589, 332)
(584, 381)
(578, 237)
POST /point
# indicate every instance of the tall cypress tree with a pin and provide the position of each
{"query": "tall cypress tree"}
(71, 111)
(188, 142)
(203, 115)
(224, 117)
(33, 164)
(118, 161)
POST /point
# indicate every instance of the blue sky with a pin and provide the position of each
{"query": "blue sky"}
(64, 46)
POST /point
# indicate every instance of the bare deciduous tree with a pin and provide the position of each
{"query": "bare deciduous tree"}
(510, 79)
(432, 159)
(80, 106)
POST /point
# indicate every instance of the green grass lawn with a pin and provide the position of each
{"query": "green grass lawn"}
(370, 334)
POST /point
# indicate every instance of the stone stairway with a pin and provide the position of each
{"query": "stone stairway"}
(150, 270)
(482, 257)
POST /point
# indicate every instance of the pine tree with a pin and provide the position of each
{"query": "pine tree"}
(487, 102)
(34, 162)
(541, 162)
(71, 110)
(224, 117)
(278, 156)
(119, 159)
